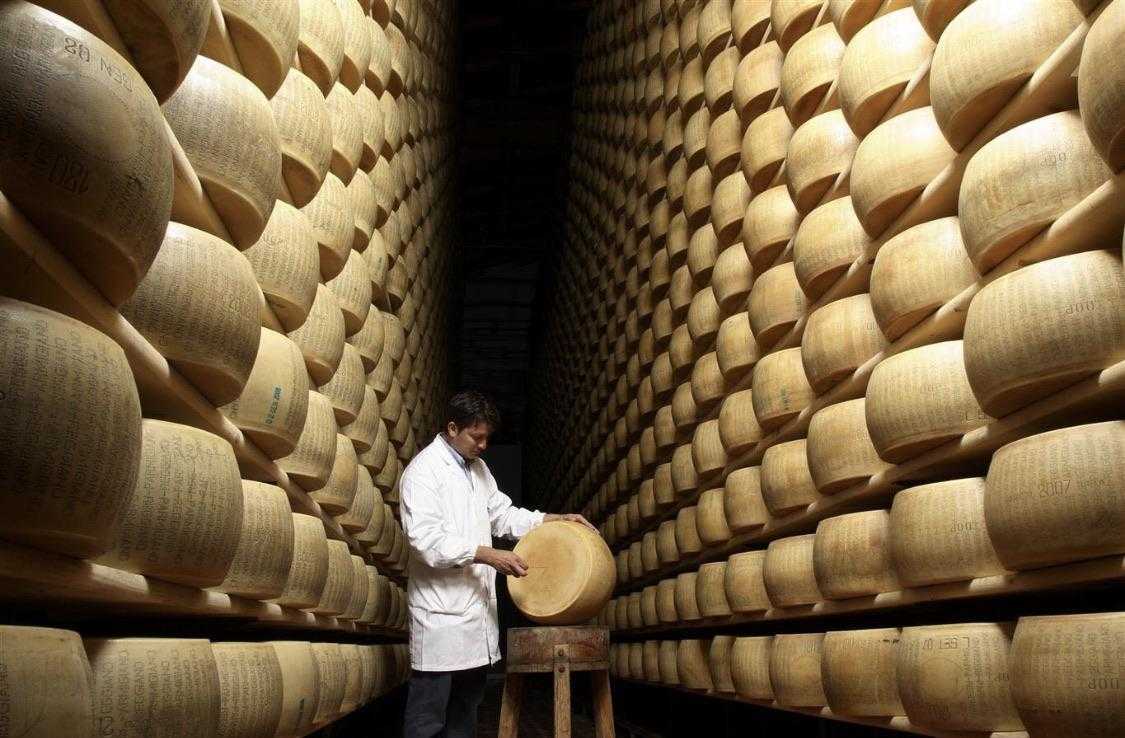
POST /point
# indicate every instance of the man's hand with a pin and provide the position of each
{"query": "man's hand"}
(572, 517)
(505, 562)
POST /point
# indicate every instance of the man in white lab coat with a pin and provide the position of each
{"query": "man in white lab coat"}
(451, 509)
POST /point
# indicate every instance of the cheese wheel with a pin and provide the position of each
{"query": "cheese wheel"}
(738, 426)
(650, 559)
(728, 206)
(308, 568)
(272, 407)
(724, 146)
(371, 339)
(362, 509)
(250, 689)
(750, 22)
(332, 217)
(666, 547)
(791, 20)
(714, 28)
(744, 582)
(1037, 330)
(686, 605)
(357, 600)
(332, 676)
(264, 36)
(819, 153)
(305, 130)
(935, 15)
(338, 585)
(776, 303)
(707, 453)
(300, 687)
(379, 596)
(829, 240)
(352, 288)
(206, 324)
(650, 658)
(286, 264)
(703, 320)
(154, 686)
(956, 677)
(839, 338)
(105, 213)
(692, 664)
(795, 669)
(65, 482)
(636, 661)
(49, 687)
(780, 389)
(668, 658)
(750, 667)
(563, 600)
(852, 555)
(347, 132)
(1064, 679)
(859, 672)
(182, 523)
(687, 532)
(666, 601)
(736, 349)
(320, 48)
(226, 128)
(742, 500)
(1049, 165)
(264, 554)
(786, 481)
(757, 80)
(811, 66)
(321, 337)
(893, 164)
(310, 463)
(697, 196)
(719, 661)
(357, 44)
(789, 573)
(345, 391)
(849, 16)
(635, 560)
(986, 53)
(710, 519)
(1099, 86)
(938, 534)
(1055, 497)
(338, 493)
(839, 448)
(634, 616)
(879, 62)
(710, 592)
(649, 618)
(920, 399)
(917, 272)
(764, 146)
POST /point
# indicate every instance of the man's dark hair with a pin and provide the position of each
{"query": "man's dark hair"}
(470, 407)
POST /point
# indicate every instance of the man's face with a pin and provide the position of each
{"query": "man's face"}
(470, 441)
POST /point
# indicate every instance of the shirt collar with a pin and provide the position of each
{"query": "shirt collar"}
(452, 455)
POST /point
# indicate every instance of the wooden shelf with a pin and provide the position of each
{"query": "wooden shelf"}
(899, 722)
(33, 577)
(1095, 398)
(1082, 573)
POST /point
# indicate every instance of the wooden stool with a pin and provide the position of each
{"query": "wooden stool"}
(559, 650)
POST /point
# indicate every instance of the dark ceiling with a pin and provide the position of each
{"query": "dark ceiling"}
(517, 66)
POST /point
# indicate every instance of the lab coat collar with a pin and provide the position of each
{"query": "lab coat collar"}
(451, 456)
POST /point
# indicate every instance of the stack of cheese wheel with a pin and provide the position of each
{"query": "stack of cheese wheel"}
(250, 688)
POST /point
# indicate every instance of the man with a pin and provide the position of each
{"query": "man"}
(451, 509)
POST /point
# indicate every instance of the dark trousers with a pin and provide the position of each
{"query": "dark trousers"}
(443, 704)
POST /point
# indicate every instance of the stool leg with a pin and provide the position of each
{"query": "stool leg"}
(603, 705)
(562, 700)
(510, 706)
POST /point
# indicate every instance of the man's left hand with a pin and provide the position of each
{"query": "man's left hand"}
(572, 517)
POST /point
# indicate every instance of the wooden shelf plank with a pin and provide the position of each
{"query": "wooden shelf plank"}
(899, 722)
(34, 577)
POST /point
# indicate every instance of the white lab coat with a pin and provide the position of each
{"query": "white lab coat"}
(453, 618)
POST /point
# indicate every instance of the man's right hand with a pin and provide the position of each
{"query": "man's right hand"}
(505, 562)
